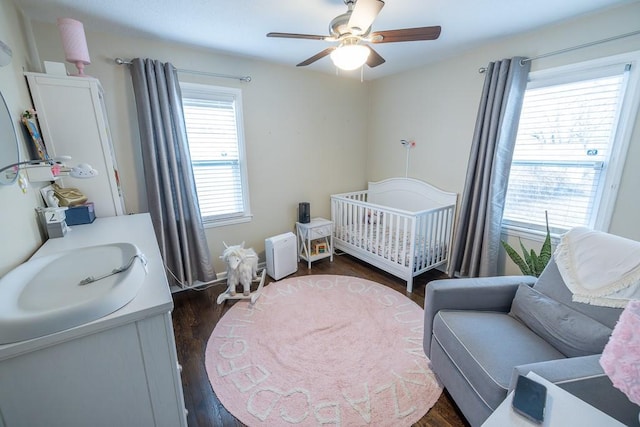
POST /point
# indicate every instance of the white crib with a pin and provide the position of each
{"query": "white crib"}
(401, 225)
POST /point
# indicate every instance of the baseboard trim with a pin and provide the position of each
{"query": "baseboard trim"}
(221, 279)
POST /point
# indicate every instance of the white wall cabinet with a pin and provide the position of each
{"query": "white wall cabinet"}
(73, 120)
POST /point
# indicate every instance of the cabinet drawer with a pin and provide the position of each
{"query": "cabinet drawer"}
(318, 232)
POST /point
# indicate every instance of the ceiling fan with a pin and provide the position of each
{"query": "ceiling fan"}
(352, 29)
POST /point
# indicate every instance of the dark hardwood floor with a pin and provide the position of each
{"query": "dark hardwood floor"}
(196, 314)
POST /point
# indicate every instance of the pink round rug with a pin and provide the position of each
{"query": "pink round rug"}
(323, 350)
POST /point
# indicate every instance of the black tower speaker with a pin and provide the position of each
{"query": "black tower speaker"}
(304, 213)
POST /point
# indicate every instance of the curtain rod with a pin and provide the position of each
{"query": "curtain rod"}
(569, 49)
(245, 79)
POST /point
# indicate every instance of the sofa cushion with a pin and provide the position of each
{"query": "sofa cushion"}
(485, 346)
(551, 284)
(571, 332)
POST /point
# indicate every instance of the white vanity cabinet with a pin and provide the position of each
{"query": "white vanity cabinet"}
(119, 370)
(124, 376)
(73, 121)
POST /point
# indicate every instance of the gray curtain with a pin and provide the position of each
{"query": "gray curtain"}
(477, 238)
(170, 185)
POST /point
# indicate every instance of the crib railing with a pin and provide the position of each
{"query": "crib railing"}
(373, 228)
(434, 234)
(417, 241)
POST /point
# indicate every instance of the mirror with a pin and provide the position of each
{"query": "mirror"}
(9, 153)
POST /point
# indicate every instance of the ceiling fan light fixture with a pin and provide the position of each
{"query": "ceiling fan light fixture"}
(354, 27)
(350, 56)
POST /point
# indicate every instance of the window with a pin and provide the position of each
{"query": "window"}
(213, 116)
(570, 146)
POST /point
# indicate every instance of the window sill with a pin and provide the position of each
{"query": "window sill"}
(529, 234)
(227, 221)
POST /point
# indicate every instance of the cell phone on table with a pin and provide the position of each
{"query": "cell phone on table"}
(529, 399)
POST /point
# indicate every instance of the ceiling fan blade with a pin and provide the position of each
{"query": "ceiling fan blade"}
(317, 56)
(364, 13)
(374, 58)
(296, 36)
(406, 35)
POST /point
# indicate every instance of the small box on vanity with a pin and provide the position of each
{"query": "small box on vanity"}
(53, 220)
(81, 214)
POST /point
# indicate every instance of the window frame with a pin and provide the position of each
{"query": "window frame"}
(211, 92)
(606, 197)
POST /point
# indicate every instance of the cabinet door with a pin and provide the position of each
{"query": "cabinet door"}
(97, 380)
(163, 372)
(73, 121)
(125, 376)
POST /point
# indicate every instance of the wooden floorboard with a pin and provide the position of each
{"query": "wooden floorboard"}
(196, 314)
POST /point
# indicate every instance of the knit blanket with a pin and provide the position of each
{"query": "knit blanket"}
(599, 268)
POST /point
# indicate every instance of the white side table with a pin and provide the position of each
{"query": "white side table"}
(319, 230)
(562, 409)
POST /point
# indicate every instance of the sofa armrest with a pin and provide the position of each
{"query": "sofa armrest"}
(572, 369)
(480, 294)
(584, 378)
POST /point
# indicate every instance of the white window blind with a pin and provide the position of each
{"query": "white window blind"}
(216, 151)
(563, 147)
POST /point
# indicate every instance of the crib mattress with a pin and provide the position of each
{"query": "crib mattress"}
(383, 242)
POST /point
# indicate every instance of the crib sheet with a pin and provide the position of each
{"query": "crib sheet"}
(427, 253)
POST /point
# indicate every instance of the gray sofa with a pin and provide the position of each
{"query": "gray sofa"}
(481, 333)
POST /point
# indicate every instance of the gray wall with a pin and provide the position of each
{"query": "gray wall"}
(19, 231)
(305, 131)
(308, 134)
(437, 105)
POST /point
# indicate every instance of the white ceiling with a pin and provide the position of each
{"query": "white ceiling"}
(239, 26)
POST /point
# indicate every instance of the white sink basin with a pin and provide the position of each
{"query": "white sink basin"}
(45, 295)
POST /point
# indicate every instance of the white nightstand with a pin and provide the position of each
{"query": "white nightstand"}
(562, 409)
(315, 240)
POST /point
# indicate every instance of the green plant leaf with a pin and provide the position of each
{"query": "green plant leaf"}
(531, 263)
(545, 251)
(534, 263)
(516, 258)
(527, 258)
